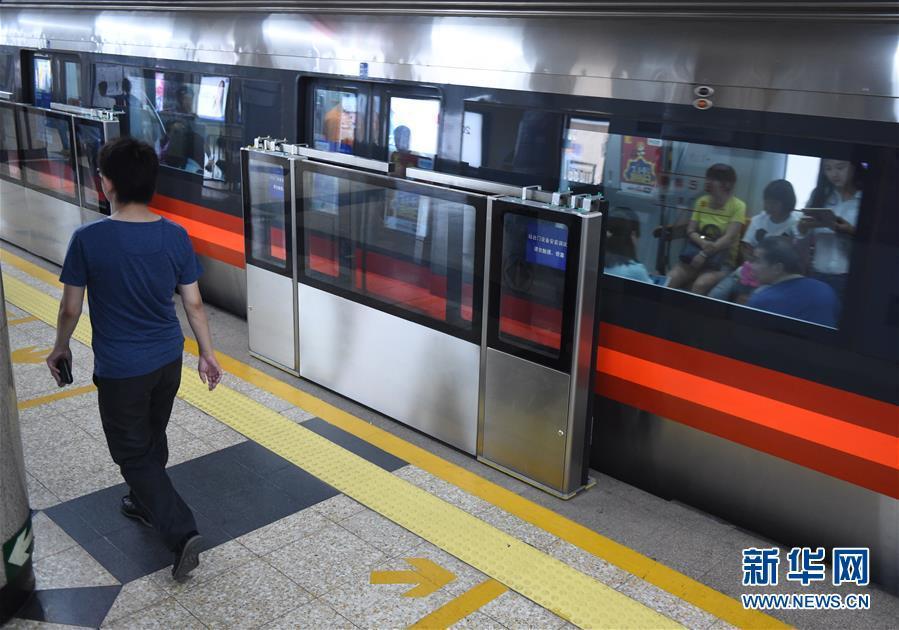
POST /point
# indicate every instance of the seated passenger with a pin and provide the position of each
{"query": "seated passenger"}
(784, 290)
(622, 234)
(829, 234)
(779, 218)
(713, 234)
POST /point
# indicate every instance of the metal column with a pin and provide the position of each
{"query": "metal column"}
(16, 534)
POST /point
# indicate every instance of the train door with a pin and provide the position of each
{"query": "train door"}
(268, 210)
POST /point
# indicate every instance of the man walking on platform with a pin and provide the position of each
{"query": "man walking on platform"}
(131, 264)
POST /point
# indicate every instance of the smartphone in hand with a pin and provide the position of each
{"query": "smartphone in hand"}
(65, 371)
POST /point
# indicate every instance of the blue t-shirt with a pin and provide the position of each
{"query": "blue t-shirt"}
(131, 271)
(803, 298)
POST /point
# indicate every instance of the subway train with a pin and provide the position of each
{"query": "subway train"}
(710, 128)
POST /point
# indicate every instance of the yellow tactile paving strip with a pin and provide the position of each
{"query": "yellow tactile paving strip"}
(541, 578)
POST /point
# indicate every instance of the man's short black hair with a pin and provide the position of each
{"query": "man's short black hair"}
(131, 166)
(780, 250)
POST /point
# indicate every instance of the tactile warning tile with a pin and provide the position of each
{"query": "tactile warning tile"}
(550, 583)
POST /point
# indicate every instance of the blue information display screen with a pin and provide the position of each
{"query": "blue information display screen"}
(547, 244)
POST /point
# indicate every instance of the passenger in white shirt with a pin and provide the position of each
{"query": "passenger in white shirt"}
(622, 235)
(830, 235)
(780, 218)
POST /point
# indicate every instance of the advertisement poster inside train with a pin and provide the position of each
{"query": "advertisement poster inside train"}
(641, 160)
(213, 97)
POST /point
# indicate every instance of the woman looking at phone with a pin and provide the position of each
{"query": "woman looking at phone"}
(829, 222)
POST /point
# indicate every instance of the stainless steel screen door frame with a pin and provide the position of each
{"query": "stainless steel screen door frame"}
(269, 208)
(540, 334)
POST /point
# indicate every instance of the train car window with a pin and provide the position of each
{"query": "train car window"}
(771, 231)
(42, 81)
(108, 80)
(9, 143)
(414, 125)
(334, 120)
(584, 152)
(71, 84)
(47, 154)
(8, 72)
(515, 145)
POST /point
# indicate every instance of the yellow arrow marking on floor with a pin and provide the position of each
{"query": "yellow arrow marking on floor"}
(459, 608)
(429, 577)
(31, 354)
(22, 320)
(66, 393)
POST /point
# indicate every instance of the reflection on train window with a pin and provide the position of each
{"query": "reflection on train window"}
(7, 72)
(56, 79)
(185, 117)
(510, 144)
(268, 212)
(394, 247)
(407, 212)
(72, 82)
(9, 143)
(334, 120)
(47, 156)
(705, 219)
(322, 193)
(42, 82)
(532, 284)
(584, 153)
(414, 126)
(89, 136)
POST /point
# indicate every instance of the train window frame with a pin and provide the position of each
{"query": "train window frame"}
(373, 141)
(361, 138)
(705, 306)
(10, 59)
(605, 121)
(390, 91)
(548, 180)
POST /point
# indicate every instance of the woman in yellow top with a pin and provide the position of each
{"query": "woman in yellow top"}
(713, 234)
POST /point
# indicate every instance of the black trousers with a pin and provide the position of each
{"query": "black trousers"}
(135, 412)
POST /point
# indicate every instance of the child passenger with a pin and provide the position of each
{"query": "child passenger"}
(710, 252)
(779, 218)
(622, 234)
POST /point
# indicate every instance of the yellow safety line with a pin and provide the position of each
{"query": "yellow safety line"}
(468, 602)
(538, 576)
(21, 320)
(674, 582)
(60, 395)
